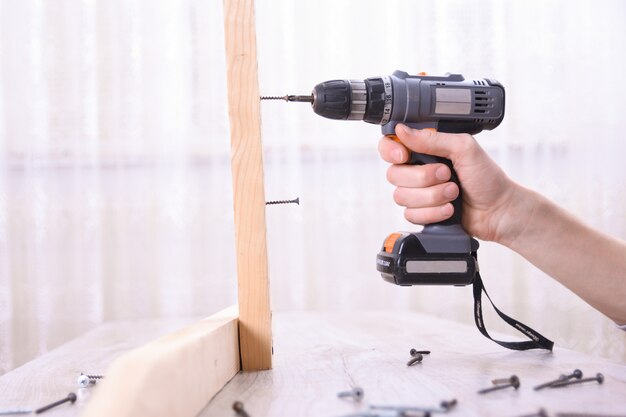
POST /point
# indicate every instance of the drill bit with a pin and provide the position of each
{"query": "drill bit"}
(300, 99)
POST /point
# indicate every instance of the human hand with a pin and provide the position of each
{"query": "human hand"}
(426, 191)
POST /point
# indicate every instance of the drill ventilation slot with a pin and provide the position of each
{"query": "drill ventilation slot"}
(482, 101)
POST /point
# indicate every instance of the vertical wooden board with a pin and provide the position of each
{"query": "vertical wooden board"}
(248, 190)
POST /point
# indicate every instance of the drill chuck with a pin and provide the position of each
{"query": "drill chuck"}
(352, 100)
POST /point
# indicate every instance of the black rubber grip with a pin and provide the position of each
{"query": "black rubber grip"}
(422, 159)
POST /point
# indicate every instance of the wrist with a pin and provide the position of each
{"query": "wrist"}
(517, 220)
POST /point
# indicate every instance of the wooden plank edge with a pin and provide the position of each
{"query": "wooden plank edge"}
(255, 323)
(176, 375)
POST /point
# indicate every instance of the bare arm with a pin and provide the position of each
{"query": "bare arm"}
(591, 264)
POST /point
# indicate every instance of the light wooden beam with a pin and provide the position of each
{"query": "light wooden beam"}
(255, 327)
(176, 375)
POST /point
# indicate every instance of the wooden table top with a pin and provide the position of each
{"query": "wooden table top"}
(316, 355)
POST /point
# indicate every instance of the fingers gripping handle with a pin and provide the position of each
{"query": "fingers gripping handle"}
(423, 159)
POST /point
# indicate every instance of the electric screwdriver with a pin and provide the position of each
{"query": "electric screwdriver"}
(442, 253)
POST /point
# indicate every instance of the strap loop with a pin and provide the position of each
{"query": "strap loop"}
(537, 341)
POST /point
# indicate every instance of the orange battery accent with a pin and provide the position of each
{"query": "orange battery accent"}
(390, 241)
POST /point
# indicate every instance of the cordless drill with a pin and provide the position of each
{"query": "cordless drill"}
(442, 253)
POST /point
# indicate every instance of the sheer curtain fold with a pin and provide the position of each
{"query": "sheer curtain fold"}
(111, 163)
(115, 184)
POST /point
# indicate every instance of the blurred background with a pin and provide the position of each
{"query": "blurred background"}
(115, 183)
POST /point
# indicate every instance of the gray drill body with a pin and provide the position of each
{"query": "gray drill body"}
(447, 103)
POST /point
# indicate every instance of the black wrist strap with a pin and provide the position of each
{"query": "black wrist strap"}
(537, 341)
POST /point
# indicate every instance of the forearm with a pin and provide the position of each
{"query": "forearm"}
(589, 263)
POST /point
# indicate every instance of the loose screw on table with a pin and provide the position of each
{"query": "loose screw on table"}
(71, 397)
(403, 410)
(599, 378)
(14, 412)
(238, 407)
(513, 381)
(448, 405)
(416, 356)
(294, 201)
(355, 393)
(576, 374)
(85, 380)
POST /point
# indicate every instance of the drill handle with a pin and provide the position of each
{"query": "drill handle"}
(423, 159)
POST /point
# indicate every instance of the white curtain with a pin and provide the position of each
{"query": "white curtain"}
(115, 187)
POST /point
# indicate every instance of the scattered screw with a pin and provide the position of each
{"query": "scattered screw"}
(448, 405)
(576, 374)
(513, 381)
(416, 356)
(294, 201)
(238, 407)
(71, 397)
(408, 411)
(84, 380)
(599, 378)
(14, 412)
(355, 393)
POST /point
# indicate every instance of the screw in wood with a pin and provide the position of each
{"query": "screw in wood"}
(71, 397)
(599, 378)
(301, 99)
(238, 407)
(85, 380)
(294, 201)
(513, 381)
(576, 374)
(416, 356)
(355, 393)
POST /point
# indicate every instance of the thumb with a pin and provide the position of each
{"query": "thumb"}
(431, 142)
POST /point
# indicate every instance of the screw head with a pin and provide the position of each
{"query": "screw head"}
(515, 381)
(600, 378)
(72, 397)
(83, 381)
(238, 406)
(577, 373)
(417, 358)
